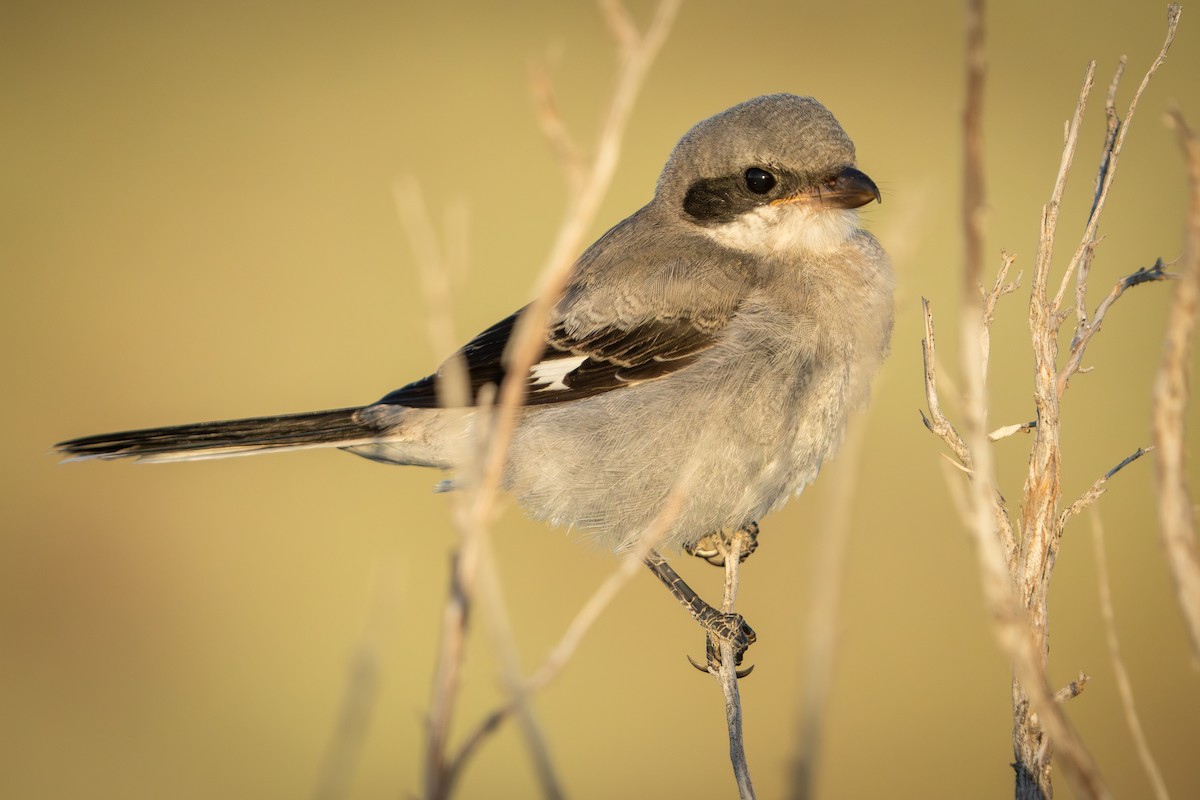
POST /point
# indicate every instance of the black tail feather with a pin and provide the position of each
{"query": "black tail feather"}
(333, 428)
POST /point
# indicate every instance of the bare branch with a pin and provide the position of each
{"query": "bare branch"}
(936, 422)
(357, 706)
(1098, 488)
(495, 609)
(1113, 151)
(474, 520)
(727, 674)
(1177, 515)
(1124, 687)
(826, 576)
(562, 652)
(526, 343)
(1086, 331)
(620, 25)
(562, 144)
(1045, 251)
(1020, 637)
(990, 298)
(1113, 124)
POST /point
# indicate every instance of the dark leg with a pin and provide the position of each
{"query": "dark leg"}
(720, 626)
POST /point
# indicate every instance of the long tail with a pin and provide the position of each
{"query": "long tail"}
(339, 427)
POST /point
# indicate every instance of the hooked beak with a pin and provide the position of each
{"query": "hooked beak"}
(850, 188)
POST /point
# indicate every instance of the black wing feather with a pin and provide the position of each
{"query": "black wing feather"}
(615, 357)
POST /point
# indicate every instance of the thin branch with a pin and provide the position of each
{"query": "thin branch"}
(1081, 260)
(562, 652)
(727, 674)
(1124, 686)
(1113, 152)
(437, 264)
(1098, 488)
(1113, 125)
(554, 129)
(990, 298)
(937, 422)
(483, 483)
(499, 627)
(1177, 515)
(1087, 331)
(526, 343)
(357, 706)
(826, 577)
(1045, 253)
(1011, 626)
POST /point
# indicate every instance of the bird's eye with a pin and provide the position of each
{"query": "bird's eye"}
(759, 181)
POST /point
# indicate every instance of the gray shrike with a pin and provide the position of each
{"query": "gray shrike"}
(721, 333)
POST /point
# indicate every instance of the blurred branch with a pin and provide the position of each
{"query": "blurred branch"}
(990, 298)
(826, 576)
(1072, 689)
(1177, 515)
(634, 61)
(588, 186)
(504, 644)
(336, 773)
(1016, 632)
(576, 630)
(1124, 687)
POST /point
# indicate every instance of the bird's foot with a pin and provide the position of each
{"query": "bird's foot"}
(715, 546)
(722, 629)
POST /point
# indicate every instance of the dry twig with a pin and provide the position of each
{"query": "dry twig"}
(727, 673)
(826, 576)
(1021, 621)
(579, 626)
(1124, 687)
(1177, 515)
(496, 425)
(336, 772)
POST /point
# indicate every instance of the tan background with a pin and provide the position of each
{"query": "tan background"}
(198, 224)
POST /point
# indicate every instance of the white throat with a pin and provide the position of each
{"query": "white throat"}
(785, 230)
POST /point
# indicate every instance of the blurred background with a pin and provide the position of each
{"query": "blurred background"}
(198, 223)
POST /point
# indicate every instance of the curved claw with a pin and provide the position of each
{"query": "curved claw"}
(739, 673)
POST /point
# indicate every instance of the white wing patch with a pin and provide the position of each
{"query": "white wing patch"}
(551, 372)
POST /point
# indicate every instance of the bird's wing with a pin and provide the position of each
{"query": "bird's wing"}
(579, 364)
(639, 306)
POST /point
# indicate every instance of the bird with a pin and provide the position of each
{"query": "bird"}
(713, 343)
